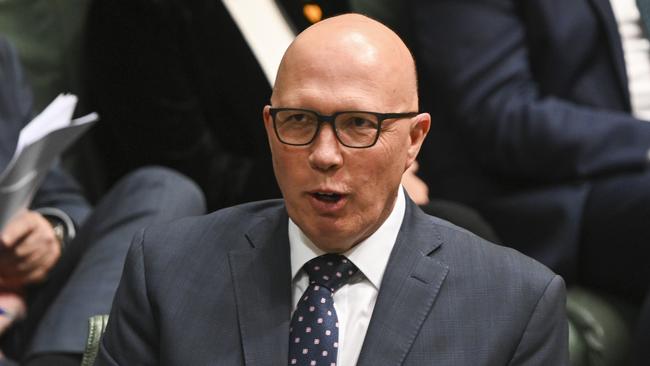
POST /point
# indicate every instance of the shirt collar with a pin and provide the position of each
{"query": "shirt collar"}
(370, 256)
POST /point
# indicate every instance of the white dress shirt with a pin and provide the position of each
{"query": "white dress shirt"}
(636, 51)
(355, 301)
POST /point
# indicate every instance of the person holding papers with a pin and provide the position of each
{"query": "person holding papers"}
(60, 259)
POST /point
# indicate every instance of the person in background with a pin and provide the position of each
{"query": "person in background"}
(61, 259)
(542, 111)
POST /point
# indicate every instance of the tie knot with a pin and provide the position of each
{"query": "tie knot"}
(330, 270)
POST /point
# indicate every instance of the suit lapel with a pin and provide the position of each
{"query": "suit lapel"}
(408, 291)
(262, 281)
(606, 15)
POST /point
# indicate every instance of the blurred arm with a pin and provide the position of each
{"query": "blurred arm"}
(477, 53)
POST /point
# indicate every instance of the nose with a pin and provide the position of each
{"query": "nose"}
(325, 154)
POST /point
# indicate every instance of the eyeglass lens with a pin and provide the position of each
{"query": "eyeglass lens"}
(356, 129)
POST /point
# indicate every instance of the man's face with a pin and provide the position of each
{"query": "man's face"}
(338, 195)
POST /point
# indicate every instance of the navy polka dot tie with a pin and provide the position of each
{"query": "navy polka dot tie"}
(314, 333)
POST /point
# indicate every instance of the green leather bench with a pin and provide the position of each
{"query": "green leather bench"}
(600, 328)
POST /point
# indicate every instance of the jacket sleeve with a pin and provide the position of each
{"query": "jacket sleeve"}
(546, 337)
(58, 190)
(131, 333)
(476, 53)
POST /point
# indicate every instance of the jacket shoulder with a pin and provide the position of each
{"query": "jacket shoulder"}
(224, 228)
(479, 260)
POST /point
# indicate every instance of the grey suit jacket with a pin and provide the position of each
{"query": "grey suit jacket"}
(216, 290)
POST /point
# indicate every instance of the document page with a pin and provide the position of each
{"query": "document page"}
(40, 143)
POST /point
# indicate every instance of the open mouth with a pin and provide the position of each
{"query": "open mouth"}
(327, 197)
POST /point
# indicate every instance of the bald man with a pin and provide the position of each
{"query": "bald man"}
(345, 270)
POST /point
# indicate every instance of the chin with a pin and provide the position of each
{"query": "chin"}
(333, 246)
(340, 242)
(332, 238)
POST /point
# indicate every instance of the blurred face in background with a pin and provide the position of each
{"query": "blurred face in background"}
(340, 195)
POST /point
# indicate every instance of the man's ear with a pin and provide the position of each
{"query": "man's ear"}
(268, 122)
(266, 115)
(268, 125)
(420, 126)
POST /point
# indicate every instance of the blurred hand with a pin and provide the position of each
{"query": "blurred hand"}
(416, 188)
(14, 304)
(28, 250)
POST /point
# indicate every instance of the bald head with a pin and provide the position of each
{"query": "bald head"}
(337, 194)
(350, 49)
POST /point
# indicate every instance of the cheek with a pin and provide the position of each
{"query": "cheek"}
(384, 167)
(288, 169)
(377, 178)
(279, 166)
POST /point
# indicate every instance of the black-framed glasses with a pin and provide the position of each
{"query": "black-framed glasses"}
(356, 129)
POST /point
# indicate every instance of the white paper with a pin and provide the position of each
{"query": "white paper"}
(40, 143)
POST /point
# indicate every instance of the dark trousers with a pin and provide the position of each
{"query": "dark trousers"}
(84, 281)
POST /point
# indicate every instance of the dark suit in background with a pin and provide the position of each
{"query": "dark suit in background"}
(534, 129)
(176, 84)
(217, 290)
(83, 282)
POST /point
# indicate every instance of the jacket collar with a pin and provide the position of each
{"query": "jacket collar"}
(262, 282)
(412, 281)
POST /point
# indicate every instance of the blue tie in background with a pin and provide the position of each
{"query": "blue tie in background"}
(314, 333)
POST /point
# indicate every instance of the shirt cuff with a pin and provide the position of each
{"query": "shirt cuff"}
(58, 218)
